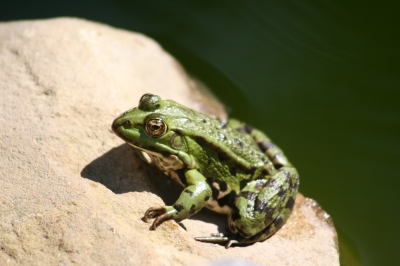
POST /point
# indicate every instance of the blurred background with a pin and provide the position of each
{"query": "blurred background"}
(321, 78)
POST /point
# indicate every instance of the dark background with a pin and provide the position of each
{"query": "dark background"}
(321, 79)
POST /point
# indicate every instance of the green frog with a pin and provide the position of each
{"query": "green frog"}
(231, 168)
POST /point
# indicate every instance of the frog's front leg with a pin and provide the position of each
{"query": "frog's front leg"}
(191, 200)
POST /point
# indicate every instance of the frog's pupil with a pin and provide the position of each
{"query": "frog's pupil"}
(155, 127)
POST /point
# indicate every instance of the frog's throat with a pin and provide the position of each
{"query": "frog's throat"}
(185, 158)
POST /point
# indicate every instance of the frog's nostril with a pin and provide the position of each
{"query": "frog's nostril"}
(128, 123)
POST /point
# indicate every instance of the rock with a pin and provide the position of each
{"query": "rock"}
(72, 192)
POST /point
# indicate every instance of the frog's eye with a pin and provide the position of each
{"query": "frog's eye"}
(156, 127)
(145, 97)
(149, 102)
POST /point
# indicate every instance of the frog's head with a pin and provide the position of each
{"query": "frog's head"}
(151, 127)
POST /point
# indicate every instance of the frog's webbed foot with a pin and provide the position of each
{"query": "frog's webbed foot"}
(219, 238)
(160, 213)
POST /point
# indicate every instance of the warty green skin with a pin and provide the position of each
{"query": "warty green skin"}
(230, 168)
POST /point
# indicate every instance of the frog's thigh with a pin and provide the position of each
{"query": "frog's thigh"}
(263, 206)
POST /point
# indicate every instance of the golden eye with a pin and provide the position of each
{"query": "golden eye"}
(156, 127)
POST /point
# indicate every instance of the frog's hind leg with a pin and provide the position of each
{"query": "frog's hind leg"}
(260, 209)
(263, 206)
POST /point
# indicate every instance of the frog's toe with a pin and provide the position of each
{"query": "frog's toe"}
(159, 219)
(154, 212)
(214, 238)
(230, 239)
(231, 242)
(219, 238)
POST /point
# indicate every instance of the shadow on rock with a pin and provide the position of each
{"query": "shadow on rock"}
(208, 216)
(121, 170)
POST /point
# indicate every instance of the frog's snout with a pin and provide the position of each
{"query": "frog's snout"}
(120, 122)
(116, 124)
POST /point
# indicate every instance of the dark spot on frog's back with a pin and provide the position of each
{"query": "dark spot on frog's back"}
(189, 192)
(239, 143)
(214, 191)
(178, 207)
(266, 170)
(206, 198)
(248, 128)
(278, 222)
(221, 136)
(247, 194)
(232, 170)
(287, 174)
(228, 199)
(223, 125)
(290, 203)
(265, 145)
(270, 182)
(252, 170)
(282, 193)
(222, 186)
(243, 183)
(262, 158)
(262, 207)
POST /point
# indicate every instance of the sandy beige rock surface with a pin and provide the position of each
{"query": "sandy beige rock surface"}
(72, 192)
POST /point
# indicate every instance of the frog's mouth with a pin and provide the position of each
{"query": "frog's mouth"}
(147, 150)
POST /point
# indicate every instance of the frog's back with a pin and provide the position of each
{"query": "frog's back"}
(231, 141)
